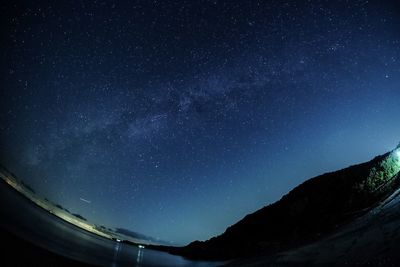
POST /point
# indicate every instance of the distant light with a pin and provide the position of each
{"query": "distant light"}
(140, 246)
(397, 153)
(118, 240)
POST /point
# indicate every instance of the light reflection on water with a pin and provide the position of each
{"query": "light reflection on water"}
(39, 227)
(118, 255)
(139, 256)
(115, 257)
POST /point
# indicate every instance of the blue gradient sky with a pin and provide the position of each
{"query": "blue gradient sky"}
(177, 119)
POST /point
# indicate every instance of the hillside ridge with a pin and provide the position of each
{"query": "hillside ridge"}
(309, 211)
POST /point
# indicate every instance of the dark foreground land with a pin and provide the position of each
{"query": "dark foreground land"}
(31, 255)
(371, 240)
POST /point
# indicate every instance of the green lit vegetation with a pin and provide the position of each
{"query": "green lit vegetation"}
(383, 173)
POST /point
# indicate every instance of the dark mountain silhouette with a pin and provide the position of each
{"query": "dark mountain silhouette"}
(140, 236)
(79, 216)
(316, 207)
(130, 233)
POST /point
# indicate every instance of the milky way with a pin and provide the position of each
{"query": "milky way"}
(176, 119)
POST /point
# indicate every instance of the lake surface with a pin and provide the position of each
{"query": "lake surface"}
(23, 218)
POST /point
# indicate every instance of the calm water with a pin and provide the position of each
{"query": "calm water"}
(25, 219)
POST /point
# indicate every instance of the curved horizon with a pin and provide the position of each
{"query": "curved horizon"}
(175, 120)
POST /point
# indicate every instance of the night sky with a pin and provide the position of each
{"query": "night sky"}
(176, 119)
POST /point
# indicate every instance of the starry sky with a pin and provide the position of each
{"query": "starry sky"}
(177, 118)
